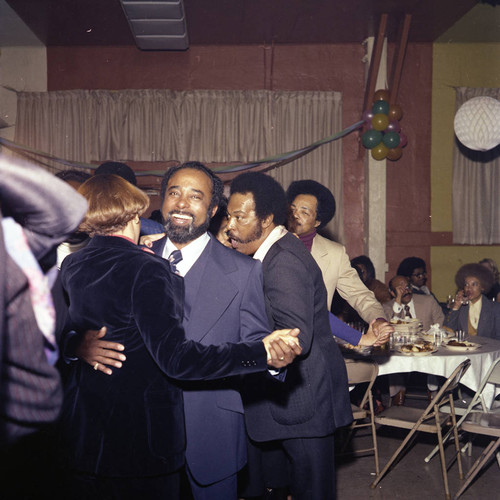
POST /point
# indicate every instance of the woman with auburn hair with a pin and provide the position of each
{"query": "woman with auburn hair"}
(472, 312)
(124, 434)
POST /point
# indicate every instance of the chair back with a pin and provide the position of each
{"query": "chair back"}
(493, 375)
(485, 422)
(359, 372)
(449, 386)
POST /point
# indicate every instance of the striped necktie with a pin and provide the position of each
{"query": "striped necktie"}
(174, 258)
(407, 312)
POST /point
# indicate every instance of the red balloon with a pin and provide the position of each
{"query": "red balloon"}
(379, 152)
(380, 121)
(403, 140)
(394, 153)
(395, 112)
(382, 95)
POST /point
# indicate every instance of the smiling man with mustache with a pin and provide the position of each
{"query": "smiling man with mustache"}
(223, 303)
(183, 225)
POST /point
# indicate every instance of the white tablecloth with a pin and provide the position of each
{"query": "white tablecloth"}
(444, 361)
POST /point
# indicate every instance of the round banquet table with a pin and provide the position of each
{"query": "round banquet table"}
(444, 361)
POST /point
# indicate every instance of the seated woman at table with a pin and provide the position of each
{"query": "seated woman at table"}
(472, 312)
(124, 433)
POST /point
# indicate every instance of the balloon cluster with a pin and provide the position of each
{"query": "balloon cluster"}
(383, 134)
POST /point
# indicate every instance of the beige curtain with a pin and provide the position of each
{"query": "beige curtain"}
(314, 116)
(476, 186)
(206, 125)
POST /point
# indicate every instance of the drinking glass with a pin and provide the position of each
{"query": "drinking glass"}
(450, 301)
(399, 339)
(438, 338)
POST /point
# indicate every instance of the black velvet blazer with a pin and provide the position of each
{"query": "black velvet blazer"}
(132, 423)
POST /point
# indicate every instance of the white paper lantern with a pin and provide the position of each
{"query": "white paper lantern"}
(477, 123)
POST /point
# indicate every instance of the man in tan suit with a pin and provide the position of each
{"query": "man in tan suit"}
(312, 206)
(406, 303)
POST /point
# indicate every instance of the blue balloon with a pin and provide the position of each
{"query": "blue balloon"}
(391, 140)
(371, 138)
(380, 107)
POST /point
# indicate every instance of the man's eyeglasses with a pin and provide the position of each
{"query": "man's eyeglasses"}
(419, 275)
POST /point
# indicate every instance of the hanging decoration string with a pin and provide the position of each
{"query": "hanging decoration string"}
(266, 163)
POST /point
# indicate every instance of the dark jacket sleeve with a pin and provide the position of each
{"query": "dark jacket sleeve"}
(48, 208)
(30, 388)
(452, 319)
(160, 324)
(290, 290)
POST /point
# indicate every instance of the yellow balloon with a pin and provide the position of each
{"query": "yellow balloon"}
(379, 152)
(380, 121)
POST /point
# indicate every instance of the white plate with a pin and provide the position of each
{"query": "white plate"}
(414, 353)
(404, 321)
(471, 346)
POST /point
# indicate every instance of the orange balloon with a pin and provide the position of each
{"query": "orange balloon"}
(380, 121)
(381, 95)
(395, 153)
(395, 112)
(380, 151)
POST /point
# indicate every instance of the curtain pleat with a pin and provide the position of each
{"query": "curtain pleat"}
(211, 126)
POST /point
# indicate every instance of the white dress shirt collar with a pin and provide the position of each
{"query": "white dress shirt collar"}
(397, 308)
(190, 253)
(276, 234)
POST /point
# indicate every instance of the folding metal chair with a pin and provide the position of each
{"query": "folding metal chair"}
(361, 372)
(492, 377)
(431, 420)
(485, 422)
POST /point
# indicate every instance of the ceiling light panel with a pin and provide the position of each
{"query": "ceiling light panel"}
(158, 25)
